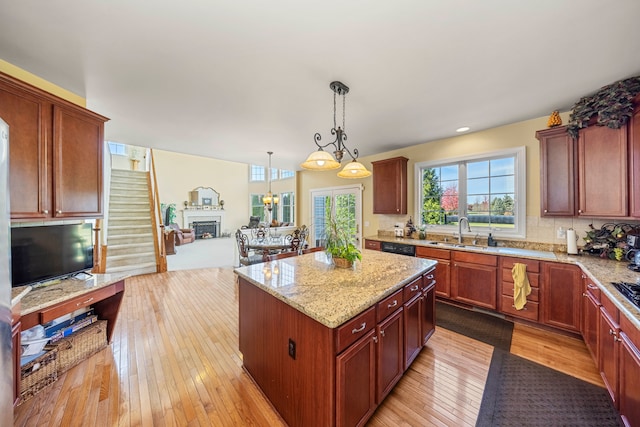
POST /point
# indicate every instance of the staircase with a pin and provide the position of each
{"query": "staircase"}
(130, 239)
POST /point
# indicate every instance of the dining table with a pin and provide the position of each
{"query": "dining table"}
(269, 245)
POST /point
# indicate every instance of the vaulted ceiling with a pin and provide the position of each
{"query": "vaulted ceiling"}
(235, 79)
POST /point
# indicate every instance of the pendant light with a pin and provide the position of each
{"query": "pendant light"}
(269, 200)
(322, 160)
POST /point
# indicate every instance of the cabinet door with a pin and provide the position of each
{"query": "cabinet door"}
(29, 120)
(629, 373)
(602, 171)
(412, 332)
(474, 284)
(557, 160)
(389, 357)
(608, 353)
(561, 296)
(634, 163)
(77, 165)
(355, 387)
(590, 323)
(443, 278)
(390, 186)
(428, 312)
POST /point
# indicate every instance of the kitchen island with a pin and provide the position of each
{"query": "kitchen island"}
(325, 344)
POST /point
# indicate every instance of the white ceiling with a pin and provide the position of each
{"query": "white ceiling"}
(235, 79)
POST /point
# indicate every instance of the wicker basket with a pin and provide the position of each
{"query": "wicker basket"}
(37, 374)
(82, 344)
(342, 263)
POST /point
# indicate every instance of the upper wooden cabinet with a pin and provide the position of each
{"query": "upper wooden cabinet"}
(390, 186)
(55, 154)
(557, 164)
(602, 172)
(634, 162)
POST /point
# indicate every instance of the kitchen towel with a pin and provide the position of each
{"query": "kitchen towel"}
(572, 241)
(521, 286)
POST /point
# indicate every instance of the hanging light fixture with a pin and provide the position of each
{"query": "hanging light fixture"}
(322, 160)
(269, 199)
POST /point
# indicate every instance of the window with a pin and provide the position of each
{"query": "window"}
(489, 190)
(117, 148)
(257, 173)
(284, 174)
(257, 207)
(274, 174)
(288, 207)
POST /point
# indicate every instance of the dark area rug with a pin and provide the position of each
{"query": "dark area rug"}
(519, 392)
(480, 326)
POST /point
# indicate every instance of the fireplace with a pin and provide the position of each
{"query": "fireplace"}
(205, 227)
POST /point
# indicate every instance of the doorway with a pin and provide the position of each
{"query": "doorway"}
(344, 202)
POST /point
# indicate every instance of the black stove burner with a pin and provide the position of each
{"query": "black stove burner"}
(634, 267)
(629, 290)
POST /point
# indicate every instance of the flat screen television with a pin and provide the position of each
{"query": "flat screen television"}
(45, 253)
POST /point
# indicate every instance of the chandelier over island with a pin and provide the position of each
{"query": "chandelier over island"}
(270, 201)
(321, 160)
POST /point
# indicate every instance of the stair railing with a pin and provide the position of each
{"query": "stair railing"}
(156, 218)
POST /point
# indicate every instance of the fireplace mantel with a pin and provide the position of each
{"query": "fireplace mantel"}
(191, 215)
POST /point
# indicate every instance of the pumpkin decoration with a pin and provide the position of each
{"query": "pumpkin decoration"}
(554, 119)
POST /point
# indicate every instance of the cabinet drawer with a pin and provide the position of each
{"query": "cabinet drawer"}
(593, 289)
(355, 328)
(372, 244)
(530, 310)
(507, 290)
(473, 258)
(534, 278)
(422, 251)
(533, 266)
(412, 289)
(50, 313)
(428, 279)
(388, 305)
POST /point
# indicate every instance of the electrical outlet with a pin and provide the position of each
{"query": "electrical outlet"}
(561, 233)
(292, 349)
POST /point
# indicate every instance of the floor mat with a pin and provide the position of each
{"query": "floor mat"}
(519, 392)
(483, 327)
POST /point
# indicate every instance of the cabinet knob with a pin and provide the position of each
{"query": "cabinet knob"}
(46, 211)
(382, 332)
(545, 211)
(375, 339)
(579, 210)
(58, 211)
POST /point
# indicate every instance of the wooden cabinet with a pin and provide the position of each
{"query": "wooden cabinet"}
(557, 167)
(428, 306)
(389, 360)
(629, 391)
(443, 268)
(561, 296)
(473, 279)
(602, 172)
(634, 162)
(608, 350)
(372, 244)
(390, 186)
(355, 387)
(55, 156)
(412, 321)
(590, 324)
(531, 309)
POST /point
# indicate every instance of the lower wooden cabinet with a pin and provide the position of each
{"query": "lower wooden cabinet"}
(413, 334)
(372, 244)
(629, 391)
(428, 307)
(608, 348)
(506, 290)
(474, 278)
(443, 268)
(561, 295)
(389, 357)
(590, 323)
(356, 379)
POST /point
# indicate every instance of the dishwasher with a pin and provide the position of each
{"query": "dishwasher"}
(398, 248)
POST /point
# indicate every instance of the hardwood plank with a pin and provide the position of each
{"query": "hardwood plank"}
(174, 361)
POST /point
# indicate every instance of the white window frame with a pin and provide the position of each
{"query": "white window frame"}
(251, 174)
(520, 187)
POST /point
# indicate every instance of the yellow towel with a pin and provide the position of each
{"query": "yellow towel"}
(521, 286)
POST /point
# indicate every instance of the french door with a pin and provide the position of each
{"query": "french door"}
(343, 202)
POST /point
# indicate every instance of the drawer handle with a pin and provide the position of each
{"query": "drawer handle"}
(415, 288)
(382, 332)
(395, 302)
(524, 308)
(590, 286)
(611, 332)
(360, 329)
(429, 276)
(84, 302)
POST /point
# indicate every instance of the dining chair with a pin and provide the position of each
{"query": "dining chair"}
(260, 232)
(243, 250)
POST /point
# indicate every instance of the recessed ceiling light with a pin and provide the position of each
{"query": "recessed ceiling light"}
(462, 129)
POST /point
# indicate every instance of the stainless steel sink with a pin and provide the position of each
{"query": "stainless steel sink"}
(494, 249)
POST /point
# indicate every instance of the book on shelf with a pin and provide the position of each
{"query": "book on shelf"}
(62, 333)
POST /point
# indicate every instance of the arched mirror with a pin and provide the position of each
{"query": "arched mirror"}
(204, 196)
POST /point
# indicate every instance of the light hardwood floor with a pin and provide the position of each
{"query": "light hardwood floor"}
(174, 361)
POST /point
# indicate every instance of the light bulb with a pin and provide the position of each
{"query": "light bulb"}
(320, 162)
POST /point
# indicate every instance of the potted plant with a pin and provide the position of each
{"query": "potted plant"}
(338, 242)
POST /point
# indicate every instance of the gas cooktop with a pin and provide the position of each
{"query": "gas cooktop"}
(630, 290)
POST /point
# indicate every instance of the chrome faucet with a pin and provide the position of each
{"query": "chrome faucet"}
(462, 218)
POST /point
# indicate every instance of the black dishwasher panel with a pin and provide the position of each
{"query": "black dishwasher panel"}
(398, 248)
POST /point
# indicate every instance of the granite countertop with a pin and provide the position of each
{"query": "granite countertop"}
(37, 297)
(331, 295)
(601, 271)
